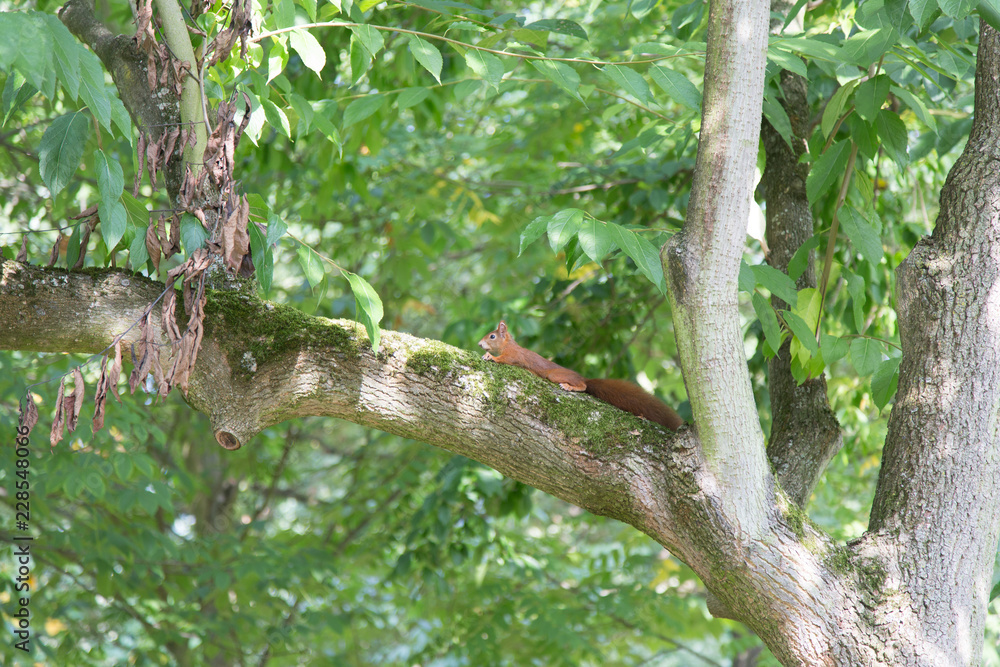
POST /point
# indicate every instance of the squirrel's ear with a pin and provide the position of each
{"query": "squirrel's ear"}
(502, 327)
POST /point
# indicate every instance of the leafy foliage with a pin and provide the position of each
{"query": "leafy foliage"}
(421, 148)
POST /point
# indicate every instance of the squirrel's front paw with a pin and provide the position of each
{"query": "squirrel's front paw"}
(487, 357)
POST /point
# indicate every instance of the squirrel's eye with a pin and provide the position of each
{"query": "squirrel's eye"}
(492, 336)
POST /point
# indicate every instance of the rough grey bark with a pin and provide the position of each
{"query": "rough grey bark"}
(936, 514)
(805, 433)
(701, 263)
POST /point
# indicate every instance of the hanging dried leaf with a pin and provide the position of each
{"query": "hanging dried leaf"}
(175, 234)
(115, 372)
(141, 157)
(170, 143)
(84, 240)
(235, 236)
(100, 396)
(27, 418)
(22, 254)
(145, 354)
(153, 245)
(74, 402)
(54, 256)
(143, 24)
(58, 422)
(85, 213)
(153, 159)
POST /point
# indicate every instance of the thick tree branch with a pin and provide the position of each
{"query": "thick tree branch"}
(702, 263)
(939, 531)
(262, 363)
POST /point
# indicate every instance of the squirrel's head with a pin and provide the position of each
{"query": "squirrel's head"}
(494, 339)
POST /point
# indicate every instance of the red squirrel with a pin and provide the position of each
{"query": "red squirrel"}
(500, 347)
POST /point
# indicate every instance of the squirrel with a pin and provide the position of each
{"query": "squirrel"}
(501, 348)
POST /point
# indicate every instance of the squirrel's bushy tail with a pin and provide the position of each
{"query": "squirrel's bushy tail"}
(630, 397)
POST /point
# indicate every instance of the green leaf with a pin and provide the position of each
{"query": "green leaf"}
(768, 321)
(863, 136)
(360, 61)
(193, 233)
(892, 131)
(370, 38)
(866, 355)
(465, 88)
(677, 86)
(923, 12)
(595, 239)
(834, 348)
(643, 253)
(304, 111)
(562, 26)
(310, 7)
(486, 66)
(110, 177)
(311, 264)
(362, 108)
(866, 47)
(560, 74)
(113, 223)
(808, 306)
(885, 381)
(803, 333)
(276, 228)
(136, 211)
(323, 124)
(61, 149)
(989, 11)
(73, 247)
(814, 48)
(259, 253)
(68, 54)
(799, 262)
(957, 9)
(137, 253)
(630, 81)
(786, 60)
(827, 169)
(856, 288)
(93, 90)
(563, 226)
(16, 92)
(533, 231)
(835, 107)
(276, 118)
(427, 55)
(862, 235)
(778, 118)
(368, 307)
(122, 464)
(309, 49)
(265, 270)
(916, 105)
(747, 280)
(871, 96)
(27, 45)
(778, 283)
(409, 97)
